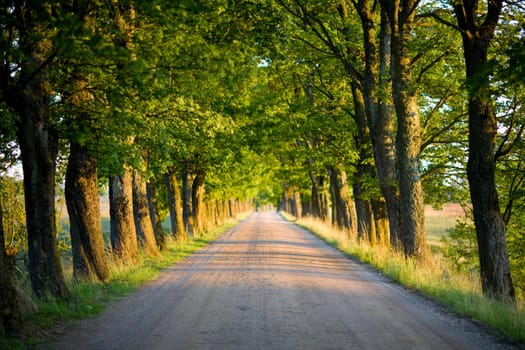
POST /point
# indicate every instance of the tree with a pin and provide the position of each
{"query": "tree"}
(477, 30)
(333, 31)
(401, 17)
(141, 214)
(375, 80)
(82, 85)
(154, 212)
(175, 206)
(123, 232)
(82, 199)
(30, 45)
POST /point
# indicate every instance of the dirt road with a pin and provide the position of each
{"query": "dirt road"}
(267, 284)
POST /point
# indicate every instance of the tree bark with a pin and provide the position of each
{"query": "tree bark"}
(381, 221)
(496, 280)
(151, 192)
(187, 209)
(27, 92)
(316, 202)
(143, 223)
(295, 204)
(365, 217)
(341, 200)
(284, 203)
(175, 206)
(382, 132)
(199, 209)
(408, 138)
(10, 312)
(83, 206)
(379, 115)
(225, 211)
(123, 234)
(39, 147)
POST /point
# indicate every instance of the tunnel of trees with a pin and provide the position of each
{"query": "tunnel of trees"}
(354, 112)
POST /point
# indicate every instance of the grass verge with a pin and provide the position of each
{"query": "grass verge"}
(88, 298)
(458, 292)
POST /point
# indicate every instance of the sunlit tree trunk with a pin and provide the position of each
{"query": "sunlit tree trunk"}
(151, 191)
(225, 210)
(401, 14)
(380, 118)
(316, 201)
(143, 223)
(123, 233)
(175, 206)
(382, 132)
(341, 198)
(381, 221)
(83, 206)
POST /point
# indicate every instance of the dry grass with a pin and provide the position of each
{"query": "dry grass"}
(460, 292)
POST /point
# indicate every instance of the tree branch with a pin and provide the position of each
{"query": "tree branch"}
(430, 65)
(434, 136)
(436, 15)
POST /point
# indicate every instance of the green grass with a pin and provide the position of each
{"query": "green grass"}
(434, 278)
(89, 298)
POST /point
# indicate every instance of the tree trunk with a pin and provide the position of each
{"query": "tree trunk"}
(382, 132)
(325, 205)
(496, 280)
(175, 206)
(10, 314)
(408, 141)
(28, 93)
(225, 210)
(83, 206)
(230, 208)
(143, 222)
(38, 146)
(341, 199)
(364, 171)
(284, 204)
(187, 210)
(408, 137)
(199, 209)
(381, 221)
(365, 217)
(123, 234)
(379, 114)
(151, 192)
(315, 204)
(295, 204)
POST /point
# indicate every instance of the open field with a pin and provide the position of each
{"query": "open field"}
(437, 222)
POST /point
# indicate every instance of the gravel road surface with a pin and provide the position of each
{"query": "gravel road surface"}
(267, 284)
